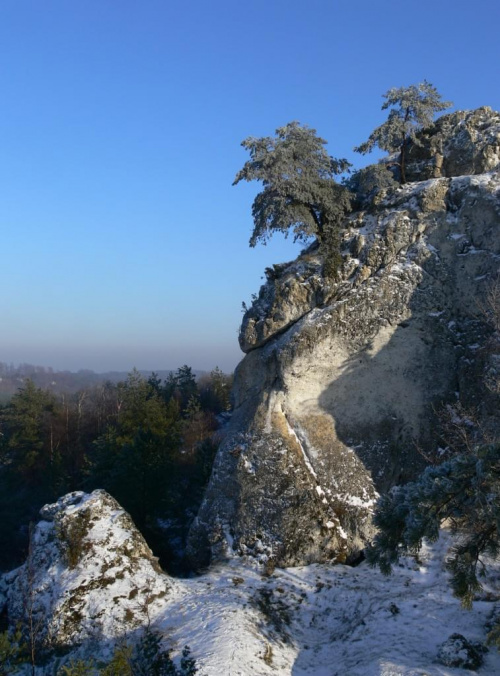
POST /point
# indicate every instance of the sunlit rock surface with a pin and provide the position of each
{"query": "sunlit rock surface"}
(465, 142)
(337, 397)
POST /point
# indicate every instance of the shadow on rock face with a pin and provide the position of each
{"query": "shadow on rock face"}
(344, 402)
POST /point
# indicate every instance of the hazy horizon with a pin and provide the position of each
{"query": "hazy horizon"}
(124, 361)
(124, 241)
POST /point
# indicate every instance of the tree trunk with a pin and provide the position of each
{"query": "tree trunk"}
(402, 162)
(402, 157)
(319, 224)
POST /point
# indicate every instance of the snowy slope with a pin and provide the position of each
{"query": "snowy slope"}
(320, 620)
(327, 621)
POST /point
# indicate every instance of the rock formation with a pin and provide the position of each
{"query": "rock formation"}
(235, 620)
(337, 396)
(465, 142)
(89, 575)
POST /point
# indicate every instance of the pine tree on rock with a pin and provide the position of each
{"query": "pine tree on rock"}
(411, 109)
(300, 192)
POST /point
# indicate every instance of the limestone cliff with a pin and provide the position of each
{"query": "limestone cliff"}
(337, 396)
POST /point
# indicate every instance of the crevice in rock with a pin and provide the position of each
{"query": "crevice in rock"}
(333, 521)
(298, 433)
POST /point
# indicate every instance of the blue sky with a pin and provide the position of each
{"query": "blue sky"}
(124, 243)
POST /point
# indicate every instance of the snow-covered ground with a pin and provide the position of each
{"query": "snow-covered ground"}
(321, 620)
(326, 620)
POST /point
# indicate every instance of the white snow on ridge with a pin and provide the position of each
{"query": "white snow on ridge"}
(325, 620)
(317, 620)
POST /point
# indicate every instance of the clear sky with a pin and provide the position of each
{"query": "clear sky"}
(123, 241)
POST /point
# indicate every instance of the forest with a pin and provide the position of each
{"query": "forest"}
(149, 442)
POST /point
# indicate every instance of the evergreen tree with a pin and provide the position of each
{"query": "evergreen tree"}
(134, 457)
(300, 192)
(411, 109)
(465, 492)
(13, 652)
(32, 442)
(141, 409)
(186, 387)
(368, 182)
(148, 658)
(221, 386)
(197, 425)
(79, 668)
(169, 386)
(132, 439)
(215, 391)
(121, 662)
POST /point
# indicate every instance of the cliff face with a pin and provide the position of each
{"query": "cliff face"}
(337, 396)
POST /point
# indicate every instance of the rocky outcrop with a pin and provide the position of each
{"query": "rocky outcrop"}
(337, 397)
(89, 575)
(465, 142)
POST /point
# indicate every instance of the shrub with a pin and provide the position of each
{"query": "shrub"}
(121, 662)
(368, 182)
(12, 651)
(78, 668)
(71, 534)
(148, 658)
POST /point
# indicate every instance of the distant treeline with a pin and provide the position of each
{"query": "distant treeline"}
(150, 442)
(13, 376)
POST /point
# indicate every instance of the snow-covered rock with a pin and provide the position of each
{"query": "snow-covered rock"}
(337, 396)
(323, 620)
(464, 142)
(457, 651)
(316, 620)
(89, 576)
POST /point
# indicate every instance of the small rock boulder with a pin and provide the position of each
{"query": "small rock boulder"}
(457, 651)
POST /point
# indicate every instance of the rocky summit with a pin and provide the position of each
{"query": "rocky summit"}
(89, 575)
(339, 395)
